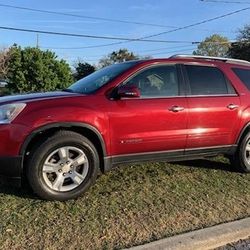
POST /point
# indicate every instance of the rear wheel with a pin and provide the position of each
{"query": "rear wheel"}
(63, 167)
(240, 161)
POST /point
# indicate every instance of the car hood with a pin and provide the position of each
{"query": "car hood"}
(35, 96)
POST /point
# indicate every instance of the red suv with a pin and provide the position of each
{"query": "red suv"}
(181, 108)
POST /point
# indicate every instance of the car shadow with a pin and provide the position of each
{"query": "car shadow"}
(9, 187)
(207, 164)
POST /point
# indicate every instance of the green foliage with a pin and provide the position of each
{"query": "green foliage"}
(83, 69)
(241, 49)
(4, 91)
(4, 63)
(121, 55)
(214, 45)
(31, 69)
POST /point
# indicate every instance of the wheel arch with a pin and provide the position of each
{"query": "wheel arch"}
(243, 132)
(41, 133)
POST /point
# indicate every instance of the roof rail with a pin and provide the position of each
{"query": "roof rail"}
(223, 59)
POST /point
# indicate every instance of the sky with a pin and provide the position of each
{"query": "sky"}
(167, 13)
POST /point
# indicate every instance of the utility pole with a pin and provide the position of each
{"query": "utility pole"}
(37, 41)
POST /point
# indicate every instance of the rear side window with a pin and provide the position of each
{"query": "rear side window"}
(204, 80)
(244, 75)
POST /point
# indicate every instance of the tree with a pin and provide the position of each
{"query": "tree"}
(31, 69)
(83, 69)
(121, 55)
(241, 48)
(4, 63)
(214, 45)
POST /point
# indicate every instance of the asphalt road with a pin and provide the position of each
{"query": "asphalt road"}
(240, 245)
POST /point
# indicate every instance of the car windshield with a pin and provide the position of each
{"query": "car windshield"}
(93, 82)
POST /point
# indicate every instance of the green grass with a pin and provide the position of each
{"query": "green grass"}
(128, 206)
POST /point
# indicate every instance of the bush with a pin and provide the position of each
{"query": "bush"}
(31, 69)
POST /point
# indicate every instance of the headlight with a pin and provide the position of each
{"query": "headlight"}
(9, 112)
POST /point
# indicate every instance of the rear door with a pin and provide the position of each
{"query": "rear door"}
(213, 107)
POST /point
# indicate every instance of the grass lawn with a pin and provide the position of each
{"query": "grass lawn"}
(128, 206)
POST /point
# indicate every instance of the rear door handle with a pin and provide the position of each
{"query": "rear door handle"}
(176, 108)
(232, 106)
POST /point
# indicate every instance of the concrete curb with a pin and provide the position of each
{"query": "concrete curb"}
(203, 239)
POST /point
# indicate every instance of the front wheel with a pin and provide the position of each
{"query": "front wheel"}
(63, 167)
(240, 161)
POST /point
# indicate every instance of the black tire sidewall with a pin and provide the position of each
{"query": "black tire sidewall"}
(40, 154)
(244, 165)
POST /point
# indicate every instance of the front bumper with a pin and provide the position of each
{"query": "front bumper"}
(11, 166)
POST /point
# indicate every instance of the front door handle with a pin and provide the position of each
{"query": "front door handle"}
(232, 106)
(176, 108)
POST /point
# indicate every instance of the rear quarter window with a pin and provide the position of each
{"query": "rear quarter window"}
(244, 75)
(206, 80)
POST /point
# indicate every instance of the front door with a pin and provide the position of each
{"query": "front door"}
(154, 122)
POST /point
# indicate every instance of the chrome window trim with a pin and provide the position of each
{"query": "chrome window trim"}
(219, 95)
(152, 97)
(180, 96)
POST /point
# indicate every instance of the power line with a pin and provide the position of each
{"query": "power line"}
(187, 48)
(218, 1)
(102, 45)
(97, 37)
(85, 47)
(159, 49)
(93, 36)
(181, 28)
(161, 53)
(182, 50)
(164, 52)
(83, 35)
(122, 39)
(152, 50)
(196, 24)
(173, 51)
(93, 18)
(85, 17)
(170, 49)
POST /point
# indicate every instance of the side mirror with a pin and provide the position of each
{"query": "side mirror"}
(128, 92)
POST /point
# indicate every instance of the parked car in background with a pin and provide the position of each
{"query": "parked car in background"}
(3, 85)
(180, 108)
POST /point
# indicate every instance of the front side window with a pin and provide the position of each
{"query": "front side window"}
(160, 81)
(244, 75)
(204, 80)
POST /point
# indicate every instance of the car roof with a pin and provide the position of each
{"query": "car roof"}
(213, 58)
(197, 59)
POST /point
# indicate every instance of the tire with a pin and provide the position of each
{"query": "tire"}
(240, 161)
(63, 167)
